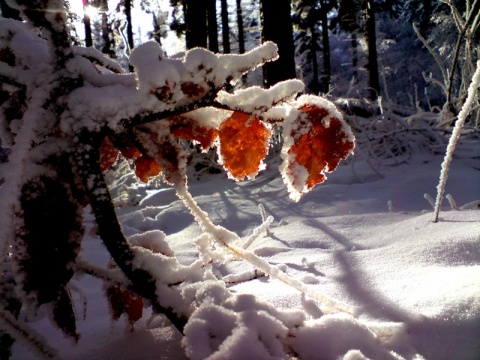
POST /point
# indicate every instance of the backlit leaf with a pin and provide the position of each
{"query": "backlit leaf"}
(146, 167)
(124, 301)
(318, 140)
(108, 154)
(243, 144)
(189, 129)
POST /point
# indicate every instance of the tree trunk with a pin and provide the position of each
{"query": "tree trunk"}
(8, 12)
(327, 67)
(128, 14)
(354, 56)
(371, 38)
(277, 27)
(241, 35)
(225, 28)
(87, 25)
(314, 85)
(156, 29)
(196, 23)
(212, 25)
(108, 47)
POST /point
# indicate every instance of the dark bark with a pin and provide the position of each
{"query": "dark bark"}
(8, 12)
(225, 27)
(128, 15)
(314, 85)
(353, 39)
(87, 25)
(371, 39)
(195, 12)
(277, 27)
(108, 46)
(241, 33)
(327, 67)
(212, 25)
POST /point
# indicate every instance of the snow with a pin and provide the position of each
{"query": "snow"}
(414, 284)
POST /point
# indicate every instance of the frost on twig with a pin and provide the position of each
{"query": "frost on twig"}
(430, 199)
(225, 238)
(462, 116)
(28, 336)
(452, 202)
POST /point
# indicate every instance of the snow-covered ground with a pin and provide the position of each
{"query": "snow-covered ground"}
(366, 240)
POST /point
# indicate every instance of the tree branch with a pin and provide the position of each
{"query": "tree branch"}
(87, 159)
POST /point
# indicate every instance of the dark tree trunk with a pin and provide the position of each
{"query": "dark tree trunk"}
(241, 35)
(277, 27)
(196, 23)
(128, 14)
(314, 85)
(371, 38)
(425, 20)
(354, 56)
(87, 25)
(8, 12)
(108, 43)
(225, 28)
(156, 29)
(212, 25)
(327, 67)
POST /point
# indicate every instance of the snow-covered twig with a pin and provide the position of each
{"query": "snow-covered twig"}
(434, 54)
(228, 239)
(430, 199)
(472, 89)
(452, 202)
(29, 336)
(113, 276)
(97, 57)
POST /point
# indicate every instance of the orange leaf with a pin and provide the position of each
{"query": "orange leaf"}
(130, 152)
(124, 301)
(326, 142)
(243, 144)
(146, 167)
(186, 128)
(108, 154)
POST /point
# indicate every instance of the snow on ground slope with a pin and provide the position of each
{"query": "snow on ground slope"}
(360, 238)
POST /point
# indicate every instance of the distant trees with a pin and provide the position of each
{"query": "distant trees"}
(195, 13)
(308, 15)
(346, 40)
(371, 39)
(277, 27)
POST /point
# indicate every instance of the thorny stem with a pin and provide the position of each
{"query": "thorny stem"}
(87, 158)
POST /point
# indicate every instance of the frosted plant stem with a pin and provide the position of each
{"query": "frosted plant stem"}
(228, 238)
(454, 138)
(21, 332)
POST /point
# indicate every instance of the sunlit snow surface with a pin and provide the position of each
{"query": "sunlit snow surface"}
(415, 283)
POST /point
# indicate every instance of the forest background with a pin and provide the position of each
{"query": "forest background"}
(400, 51)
